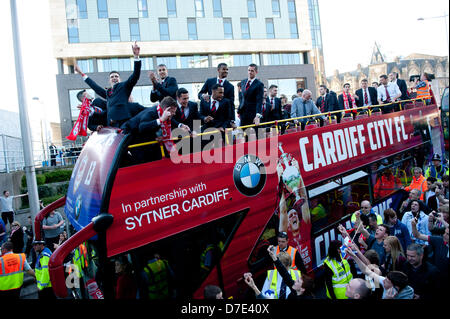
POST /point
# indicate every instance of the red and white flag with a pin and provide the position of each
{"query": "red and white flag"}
(80, 127)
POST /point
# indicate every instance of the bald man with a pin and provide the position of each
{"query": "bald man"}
(366, 210)
(357, 289)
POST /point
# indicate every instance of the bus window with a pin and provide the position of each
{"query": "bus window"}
(176, 266)
(330, 206)
(259, 258)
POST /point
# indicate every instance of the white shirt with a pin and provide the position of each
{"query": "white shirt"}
(186, 109)
(223, 80)
(392, 89)
(6, 203)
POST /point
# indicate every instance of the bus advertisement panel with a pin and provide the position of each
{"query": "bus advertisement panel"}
(159, 199)
(85, 191)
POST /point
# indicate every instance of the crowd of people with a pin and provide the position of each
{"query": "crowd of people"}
(216, 107)
(21, 254)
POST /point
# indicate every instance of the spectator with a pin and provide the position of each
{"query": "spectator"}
(274, 280)
(423, 276)
(2, 232)
(357, 289)
(437, 222)
(395, 257)
(414, 195)
(437, 169)
(212, 292)
(337, 272)
(52, 228)
(251, 283)
(440, 248)
(445, 180)
(375, 242)
(16, 237)
(366, 210)
(125, 285)
(421, 220)
(386, 184)
(6, 203)
(418, 182)
(61, 240)
(397, 228)
(297, 261)
(53, 153)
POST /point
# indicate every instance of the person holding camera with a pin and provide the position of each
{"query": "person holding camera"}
(420, 218)
(423, 88)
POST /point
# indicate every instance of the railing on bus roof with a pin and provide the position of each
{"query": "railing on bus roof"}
(327, 114)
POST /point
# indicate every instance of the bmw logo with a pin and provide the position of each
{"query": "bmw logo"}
(249, 175)
(78, 207)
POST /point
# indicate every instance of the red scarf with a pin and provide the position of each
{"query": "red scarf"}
(346, 102)
(80, 127)
(166, 128)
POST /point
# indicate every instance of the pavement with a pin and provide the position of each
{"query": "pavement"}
(29, 289)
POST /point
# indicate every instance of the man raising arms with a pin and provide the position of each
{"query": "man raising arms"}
(117, 95)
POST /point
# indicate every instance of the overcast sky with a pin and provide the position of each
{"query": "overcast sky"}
(349, 30)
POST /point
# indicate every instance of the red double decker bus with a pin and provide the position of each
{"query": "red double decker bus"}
(211, 215)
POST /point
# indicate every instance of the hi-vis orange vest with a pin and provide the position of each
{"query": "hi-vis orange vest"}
(11, 271)
(291, 251)
(424, 92)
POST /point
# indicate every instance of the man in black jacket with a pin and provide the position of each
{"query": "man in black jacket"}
(117, 95)
(166, 86)
(217, 112)
(274, 104)
(366, 96)
(187, 111)
(252, 97)
(221, 79)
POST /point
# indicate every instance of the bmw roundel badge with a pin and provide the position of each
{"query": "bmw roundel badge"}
(249, 175)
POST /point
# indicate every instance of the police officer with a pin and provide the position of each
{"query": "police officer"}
(157, 276)
(12, 267)
(337, 272)
(44, 285)
(436, 170)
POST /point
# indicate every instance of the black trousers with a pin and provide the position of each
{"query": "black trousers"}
(46, 293)
(8, 217)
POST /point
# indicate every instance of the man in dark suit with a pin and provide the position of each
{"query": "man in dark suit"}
(366, 96)
(166, 86)
(217, 112)
(97, 114)
(252, 98)
(327, 102)
(149, 125)
(221, 79)
(187, 111)
(117, 96)
(393, 77)
(274, 103)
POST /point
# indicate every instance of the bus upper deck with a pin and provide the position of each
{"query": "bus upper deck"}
(226, 195)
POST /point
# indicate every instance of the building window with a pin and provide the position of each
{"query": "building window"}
(270, 29)
(169, 61)
(192, 29)
(102, 7)
(217, 8)
(245, 59)
(72, 30)
(114, 64)
(164, 29)
(292, 19)
(199, 9)
(196, 61)
(281, 58)
(114, 30)
(140, 95)
(135, 34)
(142, 8)
(147, 63)
(82, 9)
(227, 29)
(87, 65)
(245, 29)
(276, 8)
(251, 8)
(171, 8)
